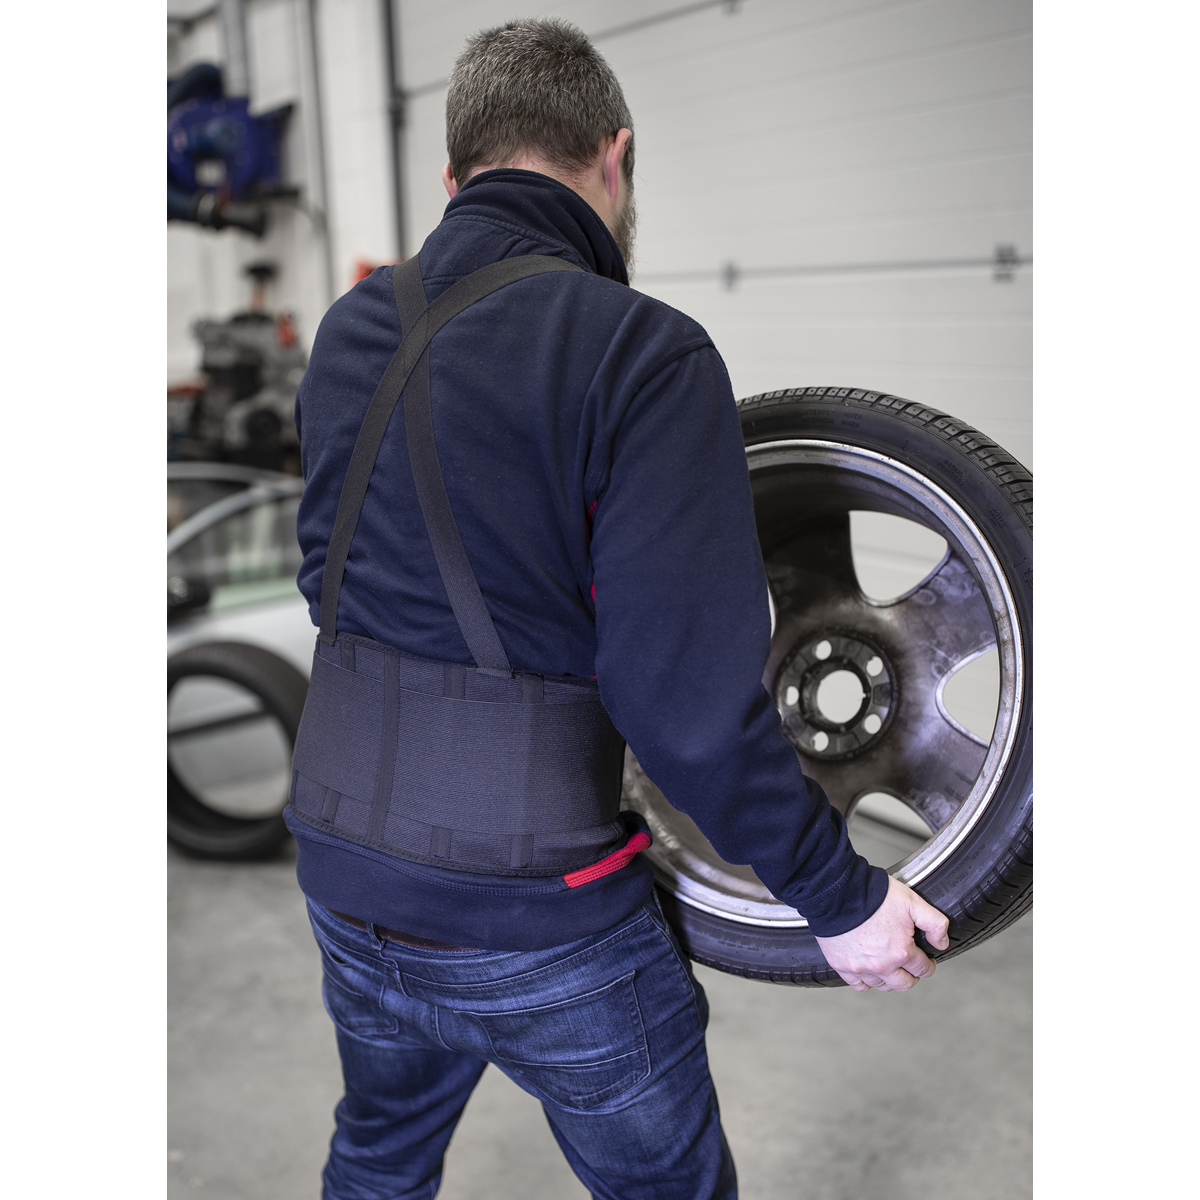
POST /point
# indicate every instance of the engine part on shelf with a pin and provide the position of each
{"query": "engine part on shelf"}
(252, 363)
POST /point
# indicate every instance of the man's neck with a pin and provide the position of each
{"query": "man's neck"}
(605, 197)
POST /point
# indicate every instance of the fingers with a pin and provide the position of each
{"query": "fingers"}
(920, 968)
(901, 979)
(895, 981)
(934, 924)
(918, 963)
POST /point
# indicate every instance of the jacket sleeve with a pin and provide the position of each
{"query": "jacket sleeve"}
(683, 634)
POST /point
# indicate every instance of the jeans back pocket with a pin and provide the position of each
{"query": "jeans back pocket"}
(581, 1052)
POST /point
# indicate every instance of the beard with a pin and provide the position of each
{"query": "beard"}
(625, 229)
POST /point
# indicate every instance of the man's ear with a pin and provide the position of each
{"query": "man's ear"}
(614, 153)
(449, 182)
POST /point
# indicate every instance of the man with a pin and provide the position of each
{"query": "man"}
(560, 497)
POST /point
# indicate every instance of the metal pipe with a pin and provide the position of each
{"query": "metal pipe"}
(1003, 265)
(395, 97)
(314, 136)
(233, 47)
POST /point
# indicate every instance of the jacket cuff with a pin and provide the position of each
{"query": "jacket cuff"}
(857, 896)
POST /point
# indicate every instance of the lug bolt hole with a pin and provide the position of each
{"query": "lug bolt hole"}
(823, 650)
(820, 740)
(874, 665)
(872, 724)
(791, 697)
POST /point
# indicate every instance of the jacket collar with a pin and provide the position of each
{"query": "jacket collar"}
(545, 211)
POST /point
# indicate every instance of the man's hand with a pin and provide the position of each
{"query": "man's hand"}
(880, 953)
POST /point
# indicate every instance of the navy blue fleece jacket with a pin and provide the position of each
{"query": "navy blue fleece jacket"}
(592, 454)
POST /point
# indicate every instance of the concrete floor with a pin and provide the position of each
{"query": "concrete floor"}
(826, 1095)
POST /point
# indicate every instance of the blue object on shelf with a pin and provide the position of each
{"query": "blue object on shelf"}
(214, 144)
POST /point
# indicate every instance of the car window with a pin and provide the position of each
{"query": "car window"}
(186, 497)
(250, 556)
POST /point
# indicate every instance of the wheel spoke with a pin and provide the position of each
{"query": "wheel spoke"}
(813, 585)
(942, 623)
(814, 568)
(934, 769)
(923, 760)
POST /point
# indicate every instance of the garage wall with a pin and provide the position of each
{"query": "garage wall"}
(823, 184)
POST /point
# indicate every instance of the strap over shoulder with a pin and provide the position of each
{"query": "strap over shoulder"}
(408, 374)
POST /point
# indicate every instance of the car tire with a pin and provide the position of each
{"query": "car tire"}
(270, 694)
(815, 454)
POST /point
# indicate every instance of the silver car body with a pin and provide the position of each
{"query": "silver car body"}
(241, 545)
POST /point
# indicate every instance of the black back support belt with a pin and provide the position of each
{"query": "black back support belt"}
(471, 767)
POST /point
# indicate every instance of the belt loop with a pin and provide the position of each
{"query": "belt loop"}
(533, 691)
(330, 807)
(521, 854)
(347, 649)
(455, 686)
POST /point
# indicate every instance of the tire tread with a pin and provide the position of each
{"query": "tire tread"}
(1013, 478)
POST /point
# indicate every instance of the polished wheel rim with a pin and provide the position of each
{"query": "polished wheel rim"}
(900, 740)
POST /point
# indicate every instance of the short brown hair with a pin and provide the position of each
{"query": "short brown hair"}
(537, 87)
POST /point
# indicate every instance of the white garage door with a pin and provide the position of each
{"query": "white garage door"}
(823, 184)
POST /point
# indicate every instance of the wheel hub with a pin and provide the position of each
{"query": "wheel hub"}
(816, 690)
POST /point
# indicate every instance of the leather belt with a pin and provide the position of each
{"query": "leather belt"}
(395, 935)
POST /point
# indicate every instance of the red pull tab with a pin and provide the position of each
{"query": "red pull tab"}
(606, 866)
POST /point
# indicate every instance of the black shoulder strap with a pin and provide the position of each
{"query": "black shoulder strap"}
(403, 376)
(470, 611)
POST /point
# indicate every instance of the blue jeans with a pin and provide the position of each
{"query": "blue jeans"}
(607, 1032)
